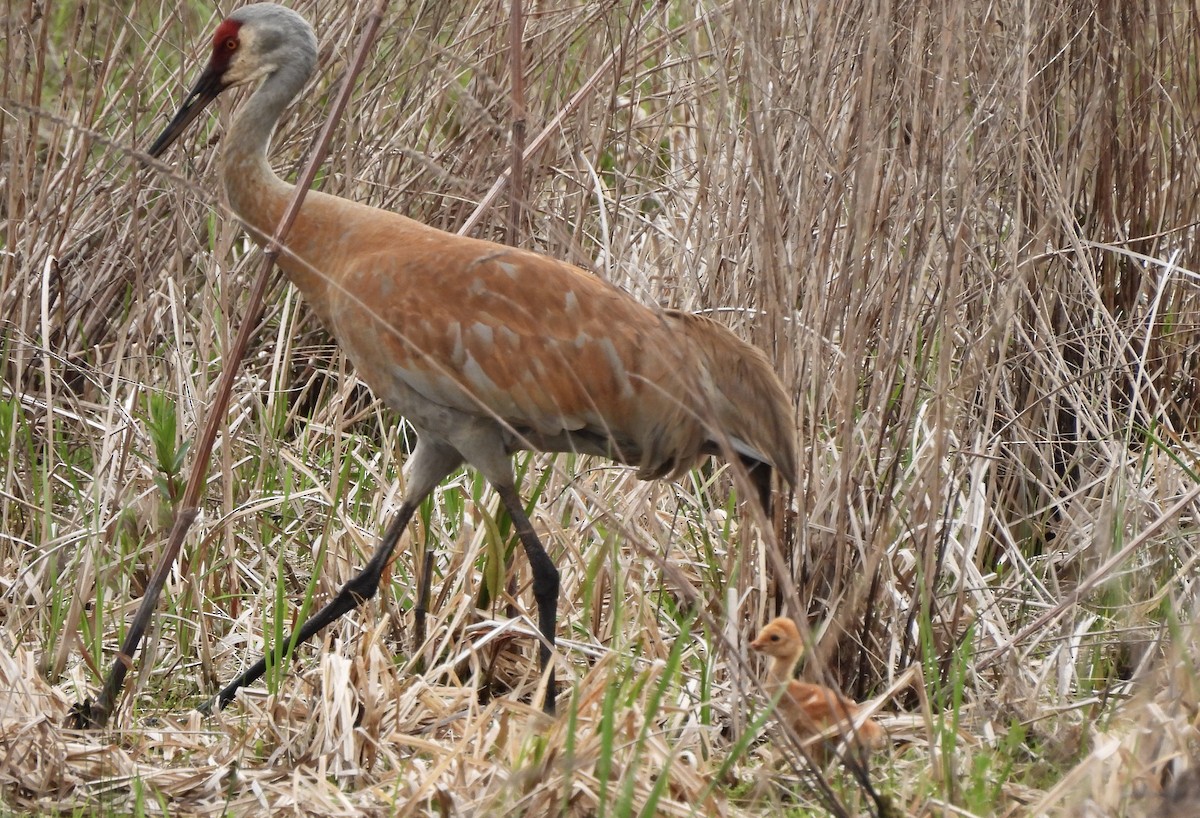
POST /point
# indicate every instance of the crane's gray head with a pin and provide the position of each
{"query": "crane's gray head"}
(252, 44)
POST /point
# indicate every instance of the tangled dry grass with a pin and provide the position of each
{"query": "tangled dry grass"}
(965, 233)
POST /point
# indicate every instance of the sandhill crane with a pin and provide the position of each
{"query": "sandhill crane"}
(484, 349)
(808, 708)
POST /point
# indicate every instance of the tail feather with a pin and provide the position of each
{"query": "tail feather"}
(751, 407)
(759, 472)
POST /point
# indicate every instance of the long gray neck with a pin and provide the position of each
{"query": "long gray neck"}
(244, 166)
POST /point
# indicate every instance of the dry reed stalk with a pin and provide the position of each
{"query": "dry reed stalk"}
(965, 233)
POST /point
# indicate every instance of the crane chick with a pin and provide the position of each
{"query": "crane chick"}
(810, 709)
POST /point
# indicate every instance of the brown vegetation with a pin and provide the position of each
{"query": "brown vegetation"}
(965, 233)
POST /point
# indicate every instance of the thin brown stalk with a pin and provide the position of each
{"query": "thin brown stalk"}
(516, 167)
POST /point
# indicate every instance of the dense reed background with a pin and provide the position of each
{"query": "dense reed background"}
(966, 234)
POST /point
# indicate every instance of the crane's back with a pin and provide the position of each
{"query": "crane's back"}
(449, 330)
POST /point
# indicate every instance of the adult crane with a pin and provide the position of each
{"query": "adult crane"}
(485, 349)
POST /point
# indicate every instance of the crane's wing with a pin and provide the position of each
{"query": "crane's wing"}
(439, 324)
(543, 346)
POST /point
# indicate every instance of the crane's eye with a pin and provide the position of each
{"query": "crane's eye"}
(231, 44)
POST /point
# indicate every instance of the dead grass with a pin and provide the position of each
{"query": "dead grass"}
(964, 232)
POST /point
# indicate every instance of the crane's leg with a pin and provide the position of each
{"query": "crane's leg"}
(545, 580)
(430, 463)
(424, 583)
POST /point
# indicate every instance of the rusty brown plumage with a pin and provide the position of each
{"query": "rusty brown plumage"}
(565, 360)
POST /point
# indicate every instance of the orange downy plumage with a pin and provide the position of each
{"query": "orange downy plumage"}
(810, 709)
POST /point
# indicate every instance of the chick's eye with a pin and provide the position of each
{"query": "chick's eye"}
(774, 637)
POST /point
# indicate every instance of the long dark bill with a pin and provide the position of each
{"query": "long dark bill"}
(206, 89)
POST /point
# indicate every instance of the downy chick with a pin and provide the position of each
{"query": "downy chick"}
(810, 709)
